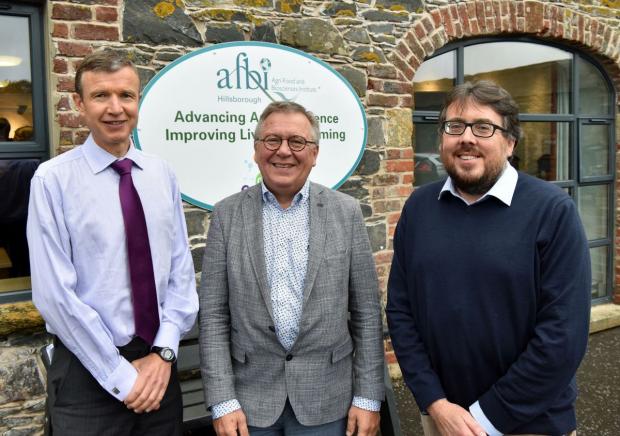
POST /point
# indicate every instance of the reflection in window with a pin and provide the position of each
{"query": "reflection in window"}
(593, 90)
(593, 209)
(15, 176)
(537, 76)
(594, 150)
(428, 166)
(16, 119)
(543, 150)
(599, 257)
(433, 80)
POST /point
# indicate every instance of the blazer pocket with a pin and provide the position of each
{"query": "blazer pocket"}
(237, 352)
(336, 254)
(342, 351)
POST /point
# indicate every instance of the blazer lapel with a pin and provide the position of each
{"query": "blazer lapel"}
(252, 210)
(318, 235)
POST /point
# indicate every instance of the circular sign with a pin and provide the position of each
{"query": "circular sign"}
(199, 113)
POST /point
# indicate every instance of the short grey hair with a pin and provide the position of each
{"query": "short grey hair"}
(288, 107)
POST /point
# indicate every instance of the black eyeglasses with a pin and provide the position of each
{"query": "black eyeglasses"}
(479, 129)
(295, 143)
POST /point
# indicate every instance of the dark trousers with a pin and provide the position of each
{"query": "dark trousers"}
(79, 406)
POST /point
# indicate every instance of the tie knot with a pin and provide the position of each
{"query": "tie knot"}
(122, 166)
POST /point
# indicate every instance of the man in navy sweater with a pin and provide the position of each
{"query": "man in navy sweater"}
(489, 291)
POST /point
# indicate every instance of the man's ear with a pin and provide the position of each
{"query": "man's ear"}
(79, 103)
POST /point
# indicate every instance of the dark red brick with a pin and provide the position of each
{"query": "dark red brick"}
(73, 48)
(60, 66)
(71, 12)
(69, 120)
(94, 32)
(106, 14)
(60, 30)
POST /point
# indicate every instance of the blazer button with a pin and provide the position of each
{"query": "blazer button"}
(289, 357)
(272, 328)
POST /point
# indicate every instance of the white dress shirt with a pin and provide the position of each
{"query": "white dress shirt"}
(78, 256)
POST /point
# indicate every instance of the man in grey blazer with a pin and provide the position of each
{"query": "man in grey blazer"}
(290, 324)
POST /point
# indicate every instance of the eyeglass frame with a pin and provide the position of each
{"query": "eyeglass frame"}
(471, 127)
(305, 142)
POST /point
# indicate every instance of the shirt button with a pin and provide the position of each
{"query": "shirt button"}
(289, 357)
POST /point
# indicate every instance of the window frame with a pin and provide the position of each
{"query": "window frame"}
(576, 121)
(38, 147)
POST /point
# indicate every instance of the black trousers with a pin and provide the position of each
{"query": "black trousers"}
(79, 406)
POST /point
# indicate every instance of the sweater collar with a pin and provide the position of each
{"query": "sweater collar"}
(503, 189)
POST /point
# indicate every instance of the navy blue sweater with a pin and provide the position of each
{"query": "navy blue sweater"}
(491, 303)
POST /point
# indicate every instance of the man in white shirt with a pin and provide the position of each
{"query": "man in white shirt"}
(112, 273)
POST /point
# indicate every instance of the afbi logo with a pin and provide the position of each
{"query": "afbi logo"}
(242, 77)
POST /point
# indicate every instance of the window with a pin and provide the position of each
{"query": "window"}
(23, 137)
(566, 104)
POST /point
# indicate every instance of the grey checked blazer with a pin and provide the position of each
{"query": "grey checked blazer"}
(339, 350)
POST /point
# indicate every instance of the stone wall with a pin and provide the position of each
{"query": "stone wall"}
(376, 44)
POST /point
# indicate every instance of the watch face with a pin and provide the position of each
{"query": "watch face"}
(167, 354)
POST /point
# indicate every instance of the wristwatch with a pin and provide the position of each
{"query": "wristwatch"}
(167, 354)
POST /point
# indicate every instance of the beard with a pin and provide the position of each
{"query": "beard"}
(469, 183)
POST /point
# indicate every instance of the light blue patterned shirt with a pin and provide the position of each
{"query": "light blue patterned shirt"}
(286, 234)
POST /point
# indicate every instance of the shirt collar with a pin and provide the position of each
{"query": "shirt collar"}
(301, 196)
(503, 189)
(99, 159)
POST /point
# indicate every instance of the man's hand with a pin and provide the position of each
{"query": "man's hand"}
(228, 424)
(366, 423)
(452, 420)
(151, 384)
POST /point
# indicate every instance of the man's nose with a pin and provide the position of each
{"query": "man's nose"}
(284, 149)
(114, 105)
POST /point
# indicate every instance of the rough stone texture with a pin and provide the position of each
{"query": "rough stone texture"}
(376, 131)
(145, 75)
(288, 6)
(356, 77)
(314, 35)
(357, 35)
(377, 236)
(370, 163)
(22, 316)
(264, 32)
(399, 128)
(400, 5)
(387, 29)
(369, 54)
(20, 376)
(217, 33)
(340, 9)
(144, 22)
(195, 219)
(380, 15)
(355, 188)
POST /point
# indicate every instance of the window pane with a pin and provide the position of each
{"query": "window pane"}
(543, 150)
(15, 176)
(538, 77)
(594, 150)
(15, 80)
(593, 209)
(599, 258)
(433, 80)
(593, 90)
(428, 166)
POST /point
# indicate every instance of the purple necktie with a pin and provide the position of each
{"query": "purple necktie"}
(144, 294)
